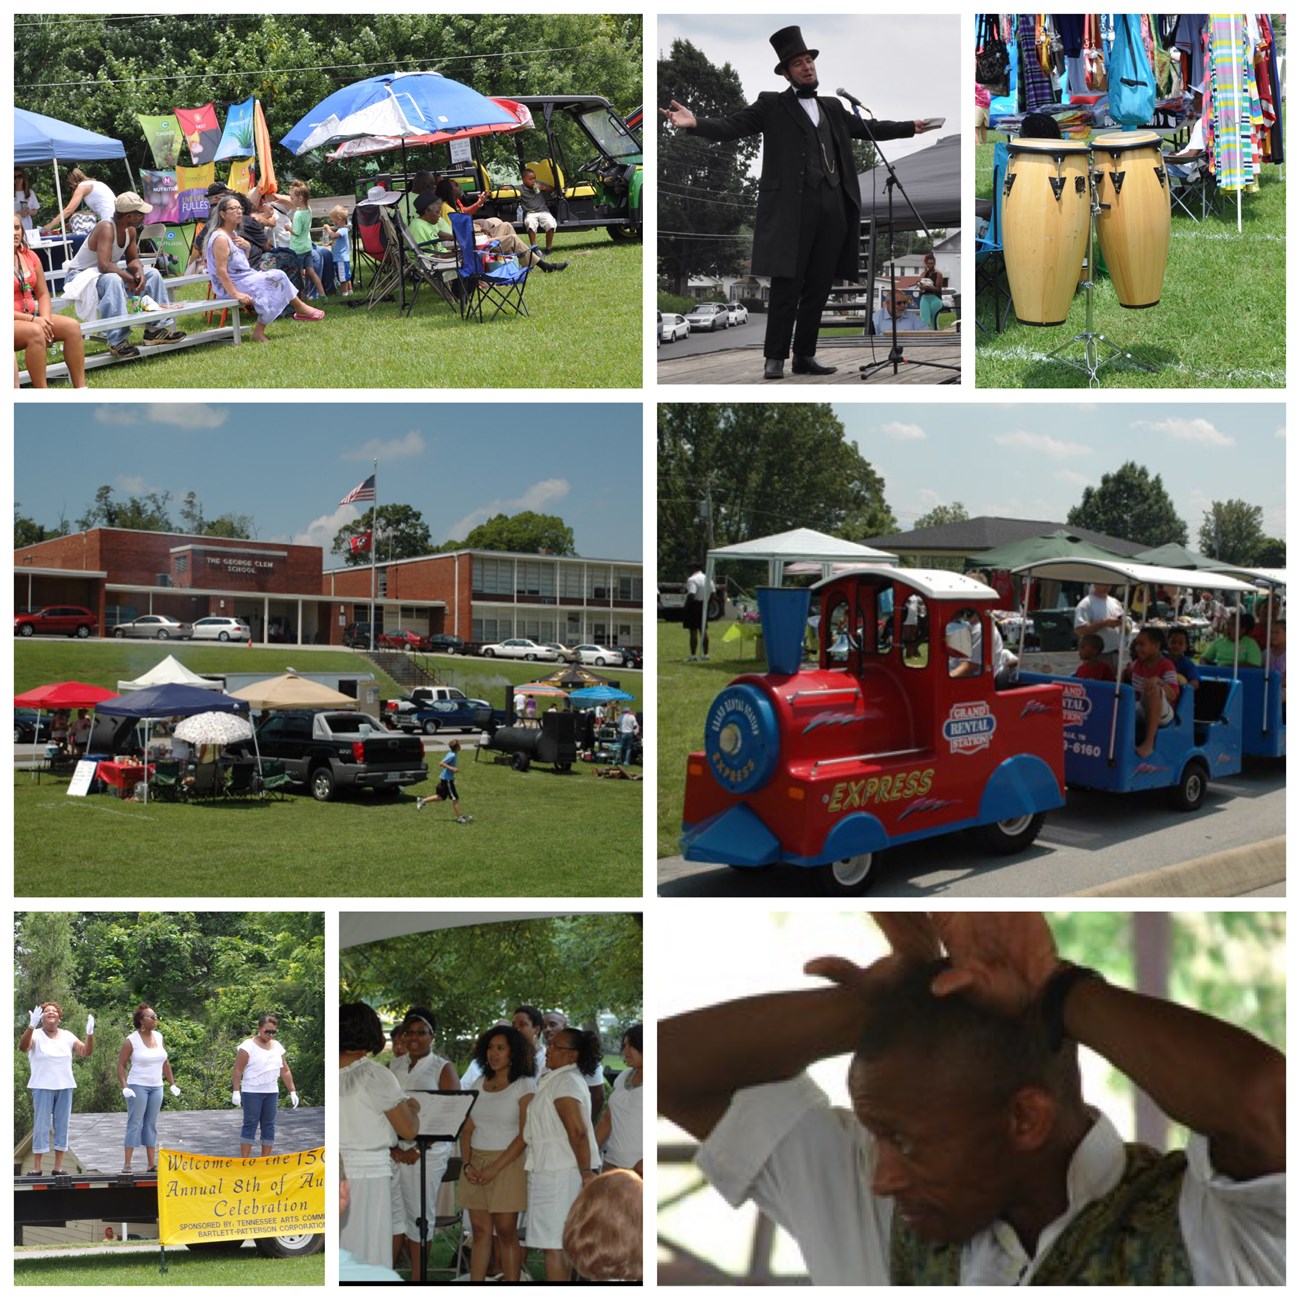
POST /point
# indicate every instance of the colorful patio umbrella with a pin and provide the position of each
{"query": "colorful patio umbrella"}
(575, 676)
(365, 145)
(600, 694)
(538, 688)
(394, 104)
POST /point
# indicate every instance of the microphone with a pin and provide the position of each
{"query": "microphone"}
(853, 99)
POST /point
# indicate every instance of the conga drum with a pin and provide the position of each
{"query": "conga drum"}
(1045, 214)
(1133, 225)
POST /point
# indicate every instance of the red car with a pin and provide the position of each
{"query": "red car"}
(69, 620)
(402, 639)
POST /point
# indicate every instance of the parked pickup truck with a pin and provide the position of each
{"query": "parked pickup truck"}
(332, 751)
(437, 708)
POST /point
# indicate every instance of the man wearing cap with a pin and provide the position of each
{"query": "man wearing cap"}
(809, 206)
(111, 251)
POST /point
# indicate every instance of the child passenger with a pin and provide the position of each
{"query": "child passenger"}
(1156, 684)
(1091, 665)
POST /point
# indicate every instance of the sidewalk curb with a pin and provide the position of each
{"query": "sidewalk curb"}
(1220, 875)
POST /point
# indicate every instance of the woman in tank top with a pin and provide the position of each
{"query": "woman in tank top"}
(94, 194)
(260, 1064)
(144, 1054)
(50, 1051)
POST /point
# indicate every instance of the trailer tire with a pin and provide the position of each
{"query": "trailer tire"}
(1189, 793)
(1012, 835)
(848, 877)
(521, 762)
(306, 1243)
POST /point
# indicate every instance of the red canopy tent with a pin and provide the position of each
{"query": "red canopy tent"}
(62, 695)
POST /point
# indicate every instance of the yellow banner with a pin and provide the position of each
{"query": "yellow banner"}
(220, 1198)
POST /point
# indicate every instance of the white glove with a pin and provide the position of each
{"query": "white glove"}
(235, 1099)
(128, 1092)
(176, 1092)
(293, 1097)
(90, 1025)
(36, 1018)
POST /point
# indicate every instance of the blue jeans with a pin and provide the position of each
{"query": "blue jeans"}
(112, 302)
(322, 262)
(47, 1104)
(626, 742)
(142, 1116)
(259, 1108)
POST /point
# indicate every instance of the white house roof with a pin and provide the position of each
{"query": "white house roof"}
(938, 584)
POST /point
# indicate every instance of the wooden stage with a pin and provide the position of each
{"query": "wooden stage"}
(745, 365)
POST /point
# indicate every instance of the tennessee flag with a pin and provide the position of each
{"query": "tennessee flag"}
(359, 543)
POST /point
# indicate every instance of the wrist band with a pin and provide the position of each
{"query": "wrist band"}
(1051, 1001)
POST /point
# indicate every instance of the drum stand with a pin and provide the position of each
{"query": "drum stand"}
(1092, 341)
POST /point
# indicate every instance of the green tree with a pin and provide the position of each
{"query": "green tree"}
(706, 198)
(953, 514)
(239, 527)
(1131, 504)
(728, 473)
(191, 514)
(403, 535)
(527, 532)
(1271, 553)
(27, 531)
(1232, 531)
(147, 513)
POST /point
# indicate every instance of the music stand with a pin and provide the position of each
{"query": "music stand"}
(441, 1120)
(896, 356)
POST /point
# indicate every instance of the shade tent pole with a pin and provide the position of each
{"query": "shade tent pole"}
(63, 225)
(374, 547)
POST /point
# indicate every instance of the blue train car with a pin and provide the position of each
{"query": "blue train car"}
(1263, 708)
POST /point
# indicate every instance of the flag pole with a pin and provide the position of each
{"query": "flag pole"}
(374, 546)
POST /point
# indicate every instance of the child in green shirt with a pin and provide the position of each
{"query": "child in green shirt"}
(300, 240)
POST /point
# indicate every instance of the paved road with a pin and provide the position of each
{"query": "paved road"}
(737, 336)
(1094, 840)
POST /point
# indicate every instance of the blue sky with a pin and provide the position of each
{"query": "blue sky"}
(289, 465)
(1032, 461)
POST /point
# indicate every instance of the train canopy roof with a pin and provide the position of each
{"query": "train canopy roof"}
(1126, 573)
(937, 584)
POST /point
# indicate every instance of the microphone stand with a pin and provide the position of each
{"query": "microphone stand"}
(896, 356)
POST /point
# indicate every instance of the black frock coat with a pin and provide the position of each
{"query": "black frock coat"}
(788, 139)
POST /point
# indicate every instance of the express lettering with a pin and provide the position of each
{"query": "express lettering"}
(880, 789)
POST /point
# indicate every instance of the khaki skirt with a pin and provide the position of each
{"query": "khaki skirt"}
(507, 1192)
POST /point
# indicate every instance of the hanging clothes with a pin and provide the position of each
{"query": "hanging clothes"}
(1190, 39)
(1233, 161)
(1034, 81)
(1070, 29)
(1275, 132)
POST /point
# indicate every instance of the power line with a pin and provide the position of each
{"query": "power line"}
(257, 72)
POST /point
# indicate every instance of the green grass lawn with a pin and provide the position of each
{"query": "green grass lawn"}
(115, 1268)
(589, 845)
(1220, 322)
(685, 693)
(585, 330)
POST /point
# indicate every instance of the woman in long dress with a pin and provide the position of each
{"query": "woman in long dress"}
(420, 1070)
(267, 293)
(373, 1113)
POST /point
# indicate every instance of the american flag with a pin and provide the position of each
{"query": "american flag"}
(362, 492)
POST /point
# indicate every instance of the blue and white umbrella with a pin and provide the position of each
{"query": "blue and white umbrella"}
(600, 694)
(395, 104)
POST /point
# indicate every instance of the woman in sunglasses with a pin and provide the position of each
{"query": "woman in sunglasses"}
(146, 1057)
(260, 1064)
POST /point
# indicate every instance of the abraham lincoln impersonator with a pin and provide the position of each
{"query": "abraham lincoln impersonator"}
(806, 227)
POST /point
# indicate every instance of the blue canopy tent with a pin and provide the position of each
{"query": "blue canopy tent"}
(600, 694)
(170, 701)
(41, 139)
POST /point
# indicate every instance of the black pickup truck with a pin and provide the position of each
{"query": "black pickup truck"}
(333, 750)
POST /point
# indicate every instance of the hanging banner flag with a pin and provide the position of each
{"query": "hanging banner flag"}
(164, 136)
(361, 542)
(192, 191)
(241, 179)
(177, 242)
(202, 132)
(161, 195)
(262, 138)
(237, 138)
(224, 1198)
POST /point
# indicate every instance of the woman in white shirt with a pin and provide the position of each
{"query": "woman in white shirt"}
(373, 1113)
(25, 201)
(618, 1134)
(86, 189)
(260, 1064)
(494, 1184)
(50, 1051)
(562, 1151)
(144, 1052)
(420, 1070)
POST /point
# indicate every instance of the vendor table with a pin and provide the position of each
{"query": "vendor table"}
(122, 777)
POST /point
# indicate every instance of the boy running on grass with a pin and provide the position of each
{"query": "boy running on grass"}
(446, 792)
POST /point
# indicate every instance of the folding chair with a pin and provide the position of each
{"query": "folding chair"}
(375, 250)
(241, 781)
(165, 783)
(448, 1229)
(1191, 185)
(990, 265)
(418, 265)
(501, 285)
(274, 778)
(207, 782)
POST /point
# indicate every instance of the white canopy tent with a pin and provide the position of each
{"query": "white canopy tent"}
(169, 672)
(357, 928)
(799, 544)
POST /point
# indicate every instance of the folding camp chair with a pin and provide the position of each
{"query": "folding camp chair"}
(377, 252)
(207, 782)
(990, 265)
(274, 778)
(501, 284)
(418, 265)
(165, 783)
(241, 780)
(1191, 185)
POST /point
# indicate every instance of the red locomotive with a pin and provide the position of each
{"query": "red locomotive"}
(897, 734)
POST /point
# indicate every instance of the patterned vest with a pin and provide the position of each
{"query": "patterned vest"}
(1131, 1236)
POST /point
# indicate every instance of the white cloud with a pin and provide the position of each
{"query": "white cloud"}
(410, 444)
(1196, 430)
(1073, 477)
(180, 415)
(320, 532)
(901, 432)
(1280, 431)
(135, 486)
(539, 496)
(1042, 443)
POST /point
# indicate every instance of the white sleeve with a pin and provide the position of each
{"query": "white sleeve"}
(1235, 1231)
(808, 1167)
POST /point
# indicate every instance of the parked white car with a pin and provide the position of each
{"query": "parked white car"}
(519, 647)
(216, 628)
(158, 627)
(599, 655)
(737, 313)
(673, 327)
(709, 316)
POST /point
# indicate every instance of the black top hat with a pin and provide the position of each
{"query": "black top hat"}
(788, 44)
